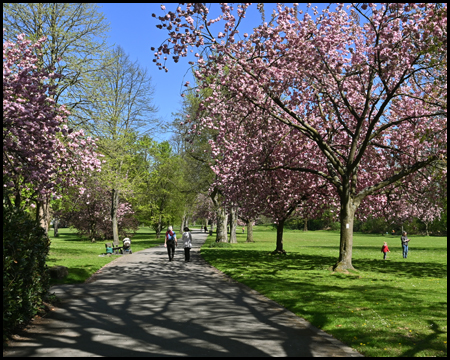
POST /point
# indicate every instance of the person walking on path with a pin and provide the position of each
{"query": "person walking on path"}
(385, 250)
(405, 242)
(187, 242)
(170, 241)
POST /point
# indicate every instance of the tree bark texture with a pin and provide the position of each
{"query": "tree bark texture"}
(43, 214)
(280, 228)
(159, 227)
(233, 225)
(183, 222)
(221, 231)
(55, 227)
(305, 225)
(347, 216)
(114, 207)
(250, 231)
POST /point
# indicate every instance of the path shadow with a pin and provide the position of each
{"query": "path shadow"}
(146, 306)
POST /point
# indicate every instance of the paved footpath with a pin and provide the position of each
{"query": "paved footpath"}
(144, 305)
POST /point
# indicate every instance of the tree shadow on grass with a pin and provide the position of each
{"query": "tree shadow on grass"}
(316, 298)
(409, 269)
(298, 261)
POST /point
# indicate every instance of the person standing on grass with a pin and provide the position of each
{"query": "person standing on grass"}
(170, 241)
(187, 242)
(405, 242)
(385, 250)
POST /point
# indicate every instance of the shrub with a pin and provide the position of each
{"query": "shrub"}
(25, 278)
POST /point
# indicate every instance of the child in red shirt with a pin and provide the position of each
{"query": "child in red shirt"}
(385, 250)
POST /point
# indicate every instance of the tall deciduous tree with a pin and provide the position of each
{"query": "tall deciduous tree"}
(119, 108)
(361, 86)
(76, 45)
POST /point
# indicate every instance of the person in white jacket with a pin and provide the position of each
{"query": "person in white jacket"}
(187, 242)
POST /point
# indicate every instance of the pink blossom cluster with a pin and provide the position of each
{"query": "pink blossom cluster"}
(261, 178)
(204, 208)
(354, 98)
(40, 152)
(90, 213)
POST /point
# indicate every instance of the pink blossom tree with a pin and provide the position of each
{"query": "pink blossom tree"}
(422, 195)
(252, 179)
(41, 155)
(365, 88)
(89, 211)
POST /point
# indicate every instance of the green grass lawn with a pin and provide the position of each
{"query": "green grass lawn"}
(81, 257)
(393, 307)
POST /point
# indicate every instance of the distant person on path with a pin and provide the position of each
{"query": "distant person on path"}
(243, 230)
(385, 250)
(187, 242)
(393, 232)
(170, 242)
(206, 229)
(405, 242)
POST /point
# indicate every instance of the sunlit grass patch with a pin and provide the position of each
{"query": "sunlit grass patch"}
(81, 256)
(394, 307)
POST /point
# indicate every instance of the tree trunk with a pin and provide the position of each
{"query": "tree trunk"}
(426, 228)
(114, 206)
(347, 216)
(43, 214)
(305, 225)
(250, 231)
(159, 227)
(183, 222)
(233, 225)
(55, 227)
(279, 249)
(221, 232)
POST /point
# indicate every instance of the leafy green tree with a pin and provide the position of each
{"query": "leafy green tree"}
(120, 107)
(158, 197)
(195, 150)
(76, 34)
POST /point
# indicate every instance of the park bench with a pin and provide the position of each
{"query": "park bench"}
(110, 249)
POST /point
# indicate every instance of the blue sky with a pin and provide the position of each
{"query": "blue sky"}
(133, 28)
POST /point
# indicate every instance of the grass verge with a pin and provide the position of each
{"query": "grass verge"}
(393, 307)
(81, 256)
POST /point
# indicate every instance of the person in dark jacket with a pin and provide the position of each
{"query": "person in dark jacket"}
(170, 242)
(405, 242)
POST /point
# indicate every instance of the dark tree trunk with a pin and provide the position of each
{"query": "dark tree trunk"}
(279, 249)
(305, 225)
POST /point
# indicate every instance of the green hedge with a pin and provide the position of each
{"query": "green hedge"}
(25, 277)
